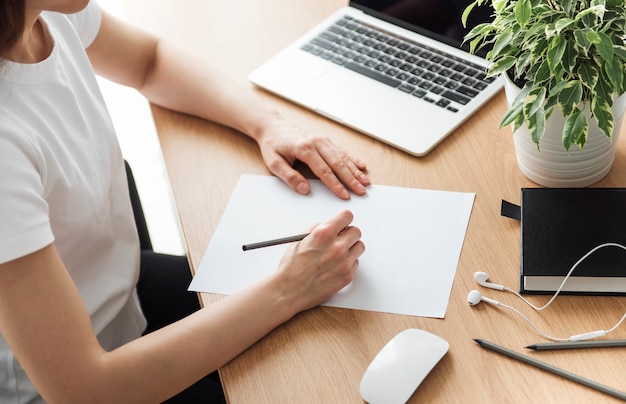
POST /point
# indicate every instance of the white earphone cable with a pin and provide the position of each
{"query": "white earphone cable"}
(534, 326)
(566, 277)
(579, 337)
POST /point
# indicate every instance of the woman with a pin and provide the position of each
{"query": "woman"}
(70, 318)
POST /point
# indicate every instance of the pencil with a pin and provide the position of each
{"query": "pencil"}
(607, 343)
(552, 369)
(277, 241)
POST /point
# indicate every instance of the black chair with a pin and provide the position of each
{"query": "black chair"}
(140, 219)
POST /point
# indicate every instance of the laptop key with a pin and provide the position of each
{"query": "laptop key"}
(470, 92)
(391, 72)
(335, 29)
(370, 63)
(480, 86)
(456, 97)
(407, 88)
(436, 90)
(322, 43)
(329, 36)
(385, 79)
(338, 60)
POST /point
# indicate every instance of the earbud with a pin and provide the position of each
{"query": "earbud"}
(474, 297)
(482, 277)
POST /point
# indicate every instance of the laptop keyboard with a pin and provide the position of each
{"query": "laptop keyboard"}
(408, 66)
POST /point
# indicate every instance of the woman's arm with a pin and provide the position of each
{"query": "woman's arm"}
(45, 323)
(184, 82)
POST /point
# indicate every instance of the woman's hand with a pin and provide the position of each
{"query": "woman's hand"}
(282, 144)
(319, 266)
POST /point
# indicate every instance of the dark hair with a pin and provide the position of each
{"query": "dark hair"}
(12, 14)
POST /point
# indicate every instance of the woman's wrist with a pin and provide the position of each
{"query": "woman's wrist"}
(258, 128)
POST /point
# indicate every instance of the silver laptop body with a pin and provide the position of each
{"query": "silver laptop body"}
(382, 92)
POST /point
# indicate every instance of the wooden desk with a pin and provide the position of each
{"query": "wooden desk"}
(320, 355)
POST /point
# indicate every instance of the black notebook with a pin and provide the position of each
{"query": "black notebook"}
(558, 227)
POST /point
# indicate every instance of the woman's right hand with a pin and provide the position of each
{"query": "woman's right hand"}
(320, 265)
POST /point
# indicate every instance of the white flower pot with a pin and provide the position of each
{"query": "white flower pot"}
(551, 166)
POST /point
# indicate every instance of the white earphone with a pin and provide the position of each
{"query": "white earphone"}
(474, 297)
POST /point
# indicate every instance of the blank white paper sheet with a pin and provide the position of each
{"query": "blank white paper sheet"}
(413, 240)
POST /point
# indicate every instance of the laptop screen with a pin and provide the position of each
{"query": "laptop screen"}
(438, 19)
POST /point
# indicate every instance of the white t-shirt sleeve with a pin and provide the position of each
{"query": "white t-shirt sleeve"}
(24, 222)
(87, 22)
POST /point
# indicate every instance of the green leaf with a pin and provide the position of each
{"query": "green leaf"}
(593, 37)
(562, 24)
(537, 126)
(499, 5)
(603, 114)
(555, 90)
(571, 96)
(479, 30)
(549, 105)
(567, 5)
(534, 101)
(619, 51)
(504, 38)
(466, 12)
(556, 49)
(615, 72)
(518, 122)
(598, 10)
(588, 75)
(539, 48)
(511, 115)
(531, 33)
(475, 45)
(502, 65)
(603, 91)
(523, 9)
(575, 130)
(604, 46)
(569, 57)
(522, 62)
(543, 73)
(519, 98)
(550, 31)
(582, 41)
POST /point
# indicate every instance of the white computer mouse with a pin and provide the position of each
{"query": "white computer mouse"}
(401, 366)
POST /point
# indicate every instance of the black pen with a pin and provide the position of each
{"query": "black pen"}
(277, 241)
(606, 343)
(552, 369)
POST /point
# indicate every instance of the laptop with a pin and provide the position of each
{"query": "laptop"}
(395, 70)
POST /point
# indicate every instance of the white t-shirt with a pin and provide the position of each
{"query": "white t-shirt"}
(62, 180)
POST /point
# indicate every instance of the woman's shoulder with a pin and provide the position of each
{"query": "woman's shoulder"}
(85, 23)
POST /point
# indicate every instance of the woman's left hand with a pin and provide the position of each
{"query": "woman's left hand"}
(283, 143)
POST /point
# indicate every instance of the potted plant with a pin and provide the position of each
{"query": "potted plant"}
(568, 61)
